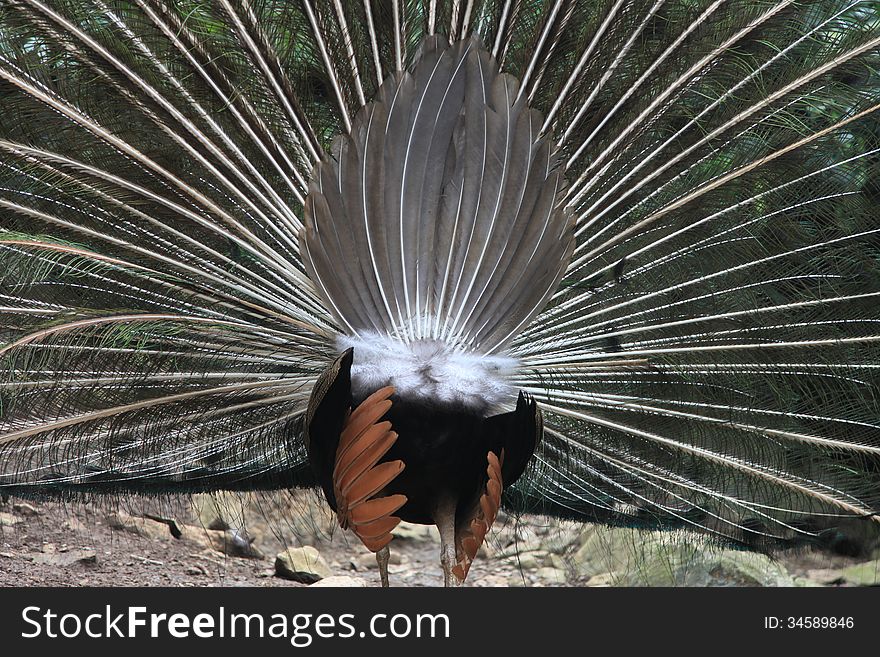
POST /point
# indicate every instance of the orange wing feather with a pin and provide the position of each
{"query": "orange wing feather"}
(357, 478)
(471, 535)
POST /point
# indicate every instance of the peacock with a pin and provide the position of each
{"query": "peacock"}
(615, 262)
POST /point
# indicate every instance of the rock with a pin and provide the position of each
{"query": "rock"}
(517, 580)
(492, 580)
(232, 543)
(367, 561)
(145, 560)
(340, 581)
(525, 540)
(863, 574)
(413, 532)
(825, 576)
(24, 509)
(220, 510)
(145, 527)
(74, 525)
(559, 539)
(606, 550)
(8, 520)
(639, 558)
(364, 562)
(303, 564)
(552, 575)
(85, 556)
(556, 561)
(604, 579)
(708, 568)
(730, 568)
(529, 560)
(536, 559)
(806, 583)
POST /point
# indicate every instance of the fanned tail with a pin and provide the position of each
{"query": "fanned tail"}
(709, 359)
(158, 331)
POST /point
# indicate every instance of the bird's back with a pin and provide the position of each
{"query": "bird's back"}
(434, 229)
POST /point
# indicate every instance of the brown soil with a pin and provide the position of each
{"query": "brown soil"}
(82, 544)
(74, 544)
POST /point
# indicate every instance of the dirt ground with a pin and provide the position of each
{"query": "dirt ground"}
(110, 544)
(138, 542)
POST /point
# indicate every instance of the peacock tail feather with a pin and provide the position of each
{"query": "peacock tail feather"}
(705, 347)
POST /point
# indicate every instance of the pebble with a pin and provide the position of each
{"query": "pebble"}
(827, 577)
(557, 561)
(340, 581)
(232, 543)
(529, 560)
(367, 561)
(74, 525)
(863, 574)
(602, 579)
(304, 564)
(220, 510)
(84, 555)
(413, 532)
(807, 583)
(8, 520)
(492, 581)
(552, 575)
(518, 580)
(24, 509)
(140, 526)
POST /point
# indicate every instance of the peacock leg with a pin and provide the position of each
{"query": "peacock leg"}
(382, 558)
(444, 517)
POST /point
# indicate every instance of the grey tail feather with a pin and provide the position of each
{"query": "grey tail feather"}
(466, 256)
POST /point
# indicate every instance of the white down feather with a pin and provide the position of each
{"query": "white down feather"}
(429, 370)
